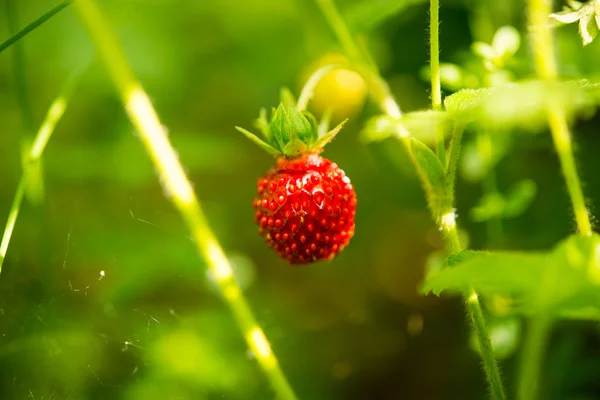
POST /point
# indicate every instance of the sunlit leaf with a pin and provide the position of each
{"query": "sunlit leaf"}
(506, 42)
(566, 279)
(482, 154)
(422, 125)
(432, 174)
(519, 198)
(510, 205)
(483, 50)
(521, 104)
(465, 103)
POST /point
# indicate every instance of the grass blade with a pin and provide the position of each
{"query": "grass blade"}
(180, 192)
(33, 156)
(49, 14)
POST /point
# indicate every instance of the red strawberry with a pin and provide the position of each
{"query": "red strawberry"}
(306, 204)
(305, 209)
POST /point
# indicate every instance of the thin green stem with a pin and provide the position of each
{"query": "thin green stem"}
(545, 63)
(312, 82)
(434, 64)
(380, 92)
(32, 158)
(18, 35)
(20, 70)
(379, 89)
(532, 357)
(453, 157)
(337, 23)
(179, 189)
(487, 352)
(12, 219)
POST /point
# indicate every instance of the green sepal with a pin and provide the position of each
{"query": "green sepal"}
(328, 137)
(279, 128)
(265, 146)
(295, 148)
(313, 125)
(287, 97)
(262, 123)
(290, 130)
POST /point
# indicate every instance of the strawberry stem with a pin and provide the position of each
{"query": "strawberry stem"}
(447, 218)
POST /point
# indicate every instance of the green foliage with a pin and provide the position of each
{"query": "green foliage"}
(563, 281)
(510, 205)
(422, 125)
(432, 175)
(521, 105)
(504, 46)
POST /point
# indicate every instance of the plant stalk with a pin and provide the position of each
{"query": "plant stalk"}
(545, 63)
(179, 189)
(487, 352)
(434, 64)
(18, 35)
(452, 165)
(384, 98)
(534, 349)
(32, 158)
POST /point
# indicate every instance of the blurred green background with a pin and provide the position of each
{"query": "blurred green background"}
(102, 295)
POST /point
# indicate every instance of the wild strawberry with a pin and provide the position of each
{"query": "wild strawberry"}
(306, 204)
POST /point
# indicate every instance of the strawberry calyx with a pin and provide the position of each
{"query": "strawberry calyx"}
(290, 132)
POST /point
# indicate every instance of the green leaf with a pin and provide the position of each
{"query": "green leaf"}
(483, 50)
(287, 97)
(368, 14)
(519, 198)
(466, 103)
(300, 125)
(490, 206)
(464, 255)
(522, 104)
(432, 174)
(490, 273)
(565, 280)
(506, 42)
(513, 204)
(328, 137)
(265, 146)
(279, 128)
(422, 125)
(482, 154)
(454, 78)
(314, 126)
(45, 17)
(290, 130)
(262, 123)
